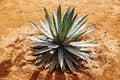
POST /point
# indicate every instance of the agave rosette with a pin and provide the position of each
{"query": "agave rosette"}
(59, 44)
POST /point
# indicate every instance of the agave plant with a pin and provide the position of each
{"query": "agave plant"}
(61, 43)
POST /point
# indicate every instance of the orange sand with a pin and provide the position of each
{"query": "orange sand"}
(14, 17)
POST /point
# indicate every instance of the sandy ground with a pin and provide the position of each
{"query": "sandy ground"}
(14, 17)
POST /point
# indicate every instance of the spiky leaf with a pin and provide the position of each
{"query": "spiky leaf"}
(59, 44)
(60, 57)
(69, 63)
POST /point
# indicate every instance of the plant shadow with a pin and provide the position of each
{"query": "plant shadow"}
(55, 75)
(34, 75)
(5, 68)
(84, 72)
(58, 75)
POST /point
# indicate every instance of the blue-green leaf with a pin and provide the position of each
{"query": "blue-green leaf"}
(45, 26)
(52, 29)
(40, 51)
(60, 57)
(59, 17)
(41, 31)
(77, 25)
(37, 38)
(55, 21)
(53, 62)
(77, 53)
(74, 60)
(69, 63)
(43, 59)
(41, 43)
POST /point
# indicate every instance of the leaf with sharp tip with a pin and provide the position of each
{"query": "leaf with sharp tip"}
(87, 57)
(73, 37)
(41, 31)
(49, 22)
(59, 17)
(76, 30)
(53, 62)
(74, 60)
(82, 42)
(45, 26)
(77, 23)
(47, 17)
(64, 22)
(69, 18)
(41, 43)
(37, 38)
(60, 57)
(48, 63)
(37, 27)
(43, 59)
(77, 53)
(68, 11)
(43, 50)
(89, 29)
(70, 24)
(50, 59)
(40, 51)
(83, 45)
(55, 22)
(69, 63)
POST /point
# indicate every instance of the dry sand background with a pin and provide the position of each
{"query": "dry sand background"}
(14, 17)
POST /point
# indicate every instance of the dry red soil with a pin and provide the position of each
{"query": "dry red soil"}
(14, 17)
